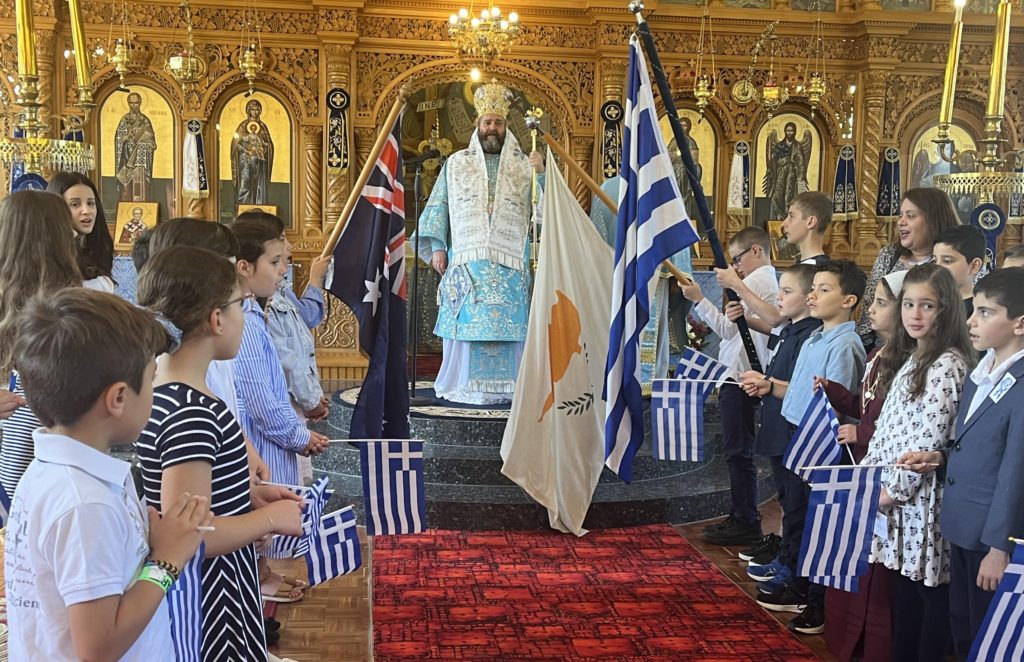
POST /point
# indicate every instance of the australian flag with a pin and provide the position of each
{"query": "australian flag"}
(652, 226)
(840, 517)
(393, 486)
(334, 547)
(369, 276)
(1001, 636)
(816, 441)
(677, 407)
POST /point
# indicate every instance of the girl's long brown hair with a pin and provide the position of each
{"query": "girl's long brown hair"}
(37, 255)
(96, 249)
(949, 330)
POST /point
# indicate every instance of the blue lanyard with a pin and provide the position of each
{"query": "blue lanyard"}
(12, 383)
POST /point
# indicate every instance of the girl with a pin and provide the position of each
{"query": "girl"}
(925, 213)
(95, 245)
(268, 418)
(194, 444)
(859, 624)
(37, 255)
(918, 415)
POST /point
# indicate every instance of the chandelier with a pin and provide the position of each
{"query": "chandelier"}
(34, 151)
(185, 66)
(704, 83)
(482, 39)
(992, 173)
(122, 53)
(772, 95)
(815, 87)
(250, 63)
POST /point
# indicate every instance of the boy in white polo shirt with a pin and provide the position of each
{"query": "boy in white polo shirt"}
(86, 567)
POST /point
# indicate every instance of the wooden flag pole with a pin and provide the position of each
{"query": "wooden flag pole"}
(578, 170)
(371, 160)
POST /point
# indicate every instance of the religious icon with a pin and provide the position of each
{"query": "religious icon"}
(134, 147)
(781, 249)
(677, 165)
(132, 219)
(252, 157)
(786, 174)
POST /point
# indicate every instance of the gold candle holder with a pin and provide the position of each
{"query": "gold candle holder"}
(952, 66)
(82, 71)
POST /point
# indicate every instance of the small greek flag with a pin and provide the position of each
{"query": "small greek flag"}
(837, 532)
(677, 419)
(694, 365)
(1002, 632)
(314, 500)
(334, 548)
(393, 486)
(816, 442)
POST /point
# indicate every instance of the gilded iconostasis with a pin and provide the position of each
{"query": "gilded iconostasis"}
(293, 136)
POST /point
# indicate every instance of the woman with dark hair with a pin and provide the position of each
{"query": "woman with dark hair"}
(93, 239)
(925, 213)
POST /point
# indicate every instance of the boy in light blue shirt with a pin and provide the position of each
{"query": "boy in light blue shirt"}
(834, 352)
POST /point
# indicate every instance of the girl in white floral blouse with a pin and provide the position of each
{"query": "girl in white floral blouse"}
(919, 414)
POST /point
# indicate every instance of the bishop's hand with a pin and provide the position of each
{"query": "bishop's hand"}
(439, 260)
(537, 161)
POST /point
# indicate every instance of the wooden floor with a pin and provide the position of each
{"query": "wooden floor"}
(333, 622)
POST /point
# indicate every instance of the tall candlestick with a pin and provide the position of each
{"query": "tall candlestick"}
(26, 39)
(81, 53)
(997, 74)
(952, 64)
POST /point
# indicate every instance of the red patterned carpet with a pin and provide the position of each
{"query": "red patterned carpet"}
(632, 594)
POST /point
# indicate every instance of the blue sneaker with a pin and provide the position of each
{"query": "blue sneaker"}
(764, 572)
(783, 577)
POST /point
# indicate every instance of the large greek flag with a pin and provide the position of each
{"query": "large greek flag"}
(816, 441)
(393, 486)
(334, 548)
(1002, 633)
(837, 532)
(652, 225)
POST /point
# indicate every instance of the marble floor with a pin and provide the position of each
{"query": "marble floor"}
(333, 622)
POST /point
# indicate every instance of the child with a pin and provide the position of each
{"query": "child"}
(981, 506)
(268, 418)
(859, 624)
(918, 415)
(194, 444)
(832, 352)
(86, 568)
(95, 244)
(1014, 256)
(961, 249)
(773, 436)
(750, 251)
(37, 256)
(810, 214)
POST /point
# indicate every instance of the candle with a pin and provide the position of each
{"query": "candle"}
(952, 64)
(81, 50)
(997, 74)
(26, 39)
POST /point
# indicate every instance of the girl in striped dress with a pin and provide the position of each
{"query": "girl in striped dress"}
(37, 255)
(194, 444)
(278, 433)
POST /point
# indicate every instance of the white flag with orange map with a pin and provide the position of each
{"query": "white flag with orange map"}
(554, 441)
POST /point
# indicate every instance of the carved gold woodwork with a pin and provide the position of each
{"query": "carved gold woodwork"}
(569, 61)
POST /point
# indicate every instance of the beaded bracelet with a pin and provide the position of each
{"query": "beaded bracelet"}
(156, 575)
(166, 565)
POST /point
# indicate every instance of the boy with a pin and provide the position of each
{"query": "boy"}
(1014, 256)
(773, 435)
(961, 251)
(750, 251)
(809, 216)
(981, 505)
(834, 352)
(79, 585)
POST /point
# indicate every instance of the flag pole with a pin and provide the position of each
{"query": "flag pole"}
(578, 170)
(357, 189)
(637, 7)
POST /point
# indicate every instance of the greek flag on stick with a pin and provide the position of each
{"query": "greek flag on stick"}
(334, 547)
(840, 517)
(694, 365)
(393, 486)
(315, 498)
(1002, 632)
(816, 442)
(677, 407)
(652, 225)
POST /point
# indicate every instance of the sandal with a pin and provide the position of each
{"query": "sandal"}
(273, 590)
(294, 582)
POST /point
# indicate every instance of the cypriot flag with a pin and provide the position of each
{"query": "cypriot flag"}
(554, 441)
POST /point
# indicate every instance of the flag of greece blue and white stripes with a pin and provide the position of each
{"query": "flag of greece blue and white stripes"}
(334, 547)
(816, 441)
(393, 486)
